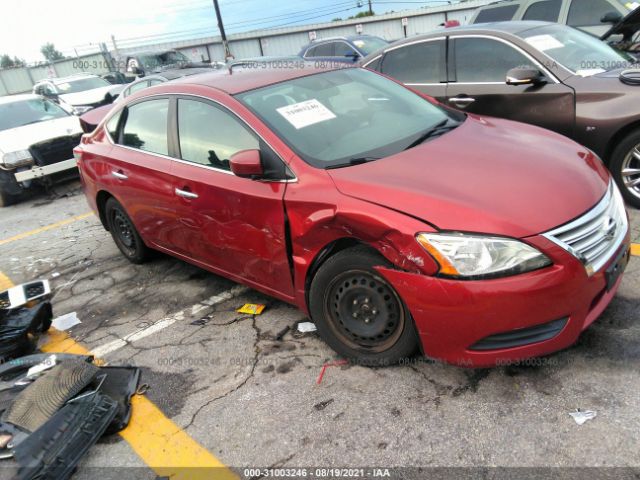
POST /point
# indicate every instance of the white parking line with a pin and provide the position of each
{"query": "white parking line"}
(107, 348)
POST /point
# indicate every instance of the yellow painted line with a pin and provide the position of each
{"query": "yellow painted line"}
(30, 233)
(166, 448)
(5, 282)
(635, 249)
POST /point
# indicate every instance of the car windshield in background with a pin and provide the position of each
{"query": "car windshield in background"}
(26, 112)
(81, 85)
(370, 44)
(151, 62)
(347, 116)
(580, 52)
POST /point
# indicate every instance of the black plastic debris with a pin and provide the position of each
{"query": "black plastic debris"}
(43, 398)
(120, 384)
(20, 328)
(54, 450)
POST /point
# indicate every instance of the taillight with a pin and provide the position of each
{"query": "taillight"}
(77, 154)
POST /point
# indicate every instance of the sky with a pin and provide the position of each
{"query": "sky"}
(80, 25)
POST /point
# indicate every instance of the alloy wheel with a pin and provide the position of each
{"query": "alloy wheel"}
(631, 171)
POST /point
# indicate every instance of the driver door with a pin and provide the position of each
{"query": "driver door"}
(477, 84)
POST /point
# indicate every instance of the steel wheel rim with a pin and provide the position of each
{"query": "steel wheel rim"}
(364, 311)
(124, 230)
(631, 171)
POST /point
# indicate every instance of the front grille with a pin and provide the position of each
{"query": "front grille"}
(595, 236)
(54, 150)
(521, 337)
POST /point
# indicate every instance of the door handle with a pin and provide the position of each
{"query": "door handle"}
(462, 101)
(119, 175)
(186, 194)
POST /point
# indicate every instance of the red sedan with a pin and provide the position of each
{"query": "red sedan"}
(394, 222)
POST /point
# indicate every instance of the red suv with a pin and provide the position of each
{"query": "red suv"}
(394, 222)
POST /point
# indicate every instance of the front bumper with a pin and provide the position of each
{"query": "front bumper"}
(452, 316)
(46, 170)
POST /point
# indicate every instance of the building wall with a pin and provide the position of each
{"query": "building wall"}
(272, 42)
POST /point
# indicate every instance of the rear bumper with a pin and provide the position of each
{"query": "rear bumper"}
(453, 317)
(40, 172)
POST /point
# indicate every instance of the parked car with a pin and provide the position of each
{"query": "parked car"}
(146, 63)
(624, 34)
(37, 137)
(593, 16)
(157, 79)
(393, 221)
(342, 49)
(78, 93)
(545, 74)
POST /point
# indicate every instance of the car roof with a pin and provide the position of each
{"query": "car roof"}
(79, 76)
(238, 80)
(18, 98)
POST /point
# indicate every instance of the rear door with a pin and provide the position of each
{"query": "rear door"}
(230, 224)
(478, 67)
(139, 169)
(419, 65)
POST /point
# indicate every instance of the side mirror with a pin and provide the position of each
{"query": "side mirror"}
(246, 163)
(353, 56)
(611, 17)
(525, 76)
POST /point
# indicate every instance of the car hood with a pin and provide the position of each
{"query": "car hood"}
(89, 97)
(22, 138)
(627, 27)
(488, 175)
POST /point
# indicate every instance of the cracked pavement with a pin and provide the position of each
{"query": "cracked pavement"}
(252, 399)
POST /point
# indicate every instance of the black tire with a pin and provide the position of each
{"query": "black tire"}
(619, 158)
(124, 233)
(6, 199)
(358, 313)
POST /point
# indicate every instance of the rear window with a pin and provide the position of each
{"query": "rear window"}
(496, 14)
(545, 11)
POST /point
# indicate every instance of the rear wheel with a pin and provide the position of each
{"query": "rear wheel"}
(124, 233)
(358, 313)
(625, 168)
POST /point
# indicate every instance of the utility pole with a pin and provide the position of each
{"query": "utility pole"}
(370, 8)
(225, 44)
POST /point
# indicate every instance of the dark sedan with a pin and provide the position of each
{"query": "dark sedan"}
(535, 72)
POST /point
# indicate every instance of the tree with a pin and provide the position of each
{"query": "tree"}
(19, 62)
(6, 61)
(50, 52)
(362, 15)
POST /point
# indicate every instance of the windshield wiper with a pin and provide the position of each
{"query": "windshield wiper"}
(435, 131)
(353, 161)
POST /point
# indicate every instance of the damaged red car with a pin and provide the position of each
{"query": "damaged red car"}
(396, 223)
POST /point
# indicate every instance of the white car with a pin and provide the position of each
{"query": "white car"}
(37, 138)
(78, 93)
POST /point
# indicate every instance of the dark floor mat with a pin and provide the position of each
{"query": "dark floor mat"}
(43, 398)
(120, 383)
(20, 327)
(53, 451)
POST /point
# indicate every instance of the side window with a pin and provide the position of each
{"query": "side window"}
(583, 13)
(376, 64)
(112, 126)
(496, 14)
(545, 11)
(485, 60)
(210, 135)
(155, 82)
(417, 63)
(322, 50)
(342, 50)
(146, 126)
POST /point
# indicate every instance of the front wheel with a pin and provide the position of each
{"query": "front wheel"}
(358, 313)
(625, 168)
(124, 233)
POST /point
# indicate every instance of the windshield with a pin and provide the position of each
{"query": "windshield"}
(370, 44)
(26, 112)
(81, 85)
(151, 62)
(346, 116)
(580, 52)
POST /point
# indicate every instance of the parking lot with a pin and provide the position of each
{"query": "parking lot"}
(238, 391)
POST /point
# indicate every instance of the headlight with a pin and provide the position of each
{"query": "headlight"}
(17, 159)
(81, 110)
(471, 256)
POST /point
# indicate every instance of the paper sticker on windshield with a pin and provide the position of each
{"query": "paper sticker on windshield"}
(307, 113)
(544, 42)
